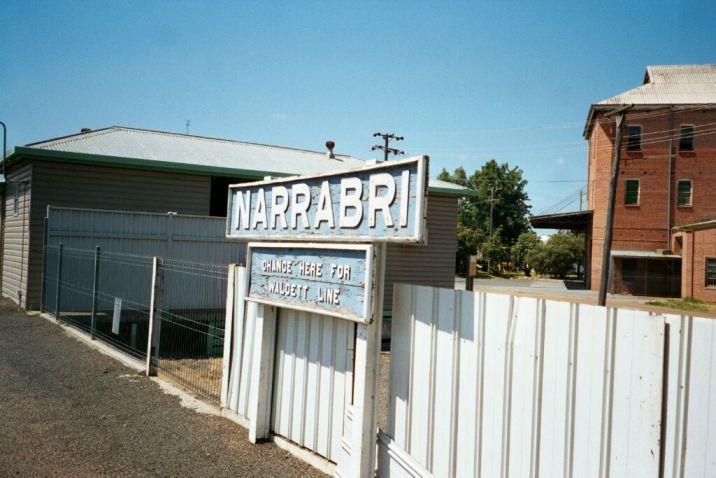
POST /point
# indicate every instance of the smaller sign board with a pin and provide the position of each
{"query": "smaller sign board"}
(330, 280)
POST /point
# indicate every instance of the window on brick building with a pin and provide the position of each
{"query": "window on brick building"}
(631, 196)
(710, 272)
(686, 137)
(634, 137)
(683, 193)
(628, 270)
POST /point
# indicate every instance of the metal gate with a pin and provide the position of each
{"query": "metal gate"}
(313, 380)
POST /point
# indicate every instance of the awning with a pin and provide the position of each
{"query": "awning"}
(644, 254)
(573, 221)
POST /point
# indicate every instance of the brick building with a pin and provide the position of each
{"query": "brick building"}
(664, 238)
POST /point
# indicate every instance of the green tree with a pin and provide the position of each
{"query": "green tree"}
(526, 243)
(495, 185)
(468, 243)
(558, 255)
(494, 250)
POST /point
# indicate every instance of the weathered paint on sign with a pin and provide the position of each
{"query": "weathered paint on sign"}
(383, 203)
(333, 281)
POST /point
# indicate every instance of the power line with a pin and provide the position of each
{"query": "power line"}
(565, 202)
(664, 135)
(387, 137)
(550, 147)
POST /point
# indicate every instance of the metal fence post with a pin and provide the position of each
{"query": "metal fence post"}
(155, 319)
(59, 278)
(93, 325)
(43, 290)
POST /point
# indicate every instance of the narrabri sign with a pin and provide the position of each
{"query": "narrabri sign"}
(379, 203)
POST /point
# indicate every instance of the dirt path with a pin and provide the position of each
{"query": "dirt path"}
(67, 410)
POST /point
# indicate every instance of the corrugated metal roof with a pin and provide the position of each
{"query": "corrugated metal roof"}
(188, 150)
(671, 85)
(664, 85)
(197, 150)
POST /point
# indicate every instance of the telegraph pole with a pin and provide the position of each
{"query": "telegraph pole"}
(385, 147)
(4, 145)
(609, 231)
(493, 188)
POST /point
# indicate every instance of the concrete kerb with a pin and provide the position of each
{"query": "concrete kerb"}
(187, 400)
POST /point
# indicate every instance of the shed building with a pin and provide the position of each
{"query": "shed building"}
(130, 169)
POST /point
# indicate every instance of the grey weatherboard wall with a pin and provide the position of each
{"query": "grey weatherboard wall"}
(433, 264)
(84, 186)
(16, 233)
(76, 185)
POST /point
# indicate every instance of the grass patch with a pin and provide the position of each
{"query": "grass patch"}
(687, 303)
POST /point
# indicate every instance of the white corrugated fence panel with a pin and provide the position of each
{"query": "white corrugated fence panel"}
(700, 440)
(312, 380)
(486, 384)
(557, 399)
(493, 385)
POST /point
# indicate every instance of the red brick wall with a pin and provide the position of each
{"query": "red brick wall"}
(697, 246)
(645, 226)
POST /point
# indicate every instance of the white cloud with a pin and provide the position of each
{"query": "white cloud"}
(559, 161)
(279, 116)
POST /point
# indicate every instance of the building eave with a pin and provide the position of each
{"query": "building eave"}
(134, 163)
(24, 152)
(710, 224)
(576, 221)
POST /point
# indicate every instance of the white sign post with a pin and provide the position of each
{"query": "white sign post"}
(367, 208)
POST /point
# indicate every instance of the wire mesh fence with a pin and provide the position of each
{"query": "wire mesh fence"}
(109, 296)
(190, 313)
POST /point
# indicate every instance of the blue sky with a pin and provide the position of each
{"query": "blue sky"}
(462, 82)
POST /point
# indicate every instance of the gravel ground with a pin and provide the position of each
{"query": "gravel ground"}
(67, 410)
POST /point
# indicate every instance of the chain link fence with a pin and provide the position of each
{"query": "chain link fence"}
(111, 297)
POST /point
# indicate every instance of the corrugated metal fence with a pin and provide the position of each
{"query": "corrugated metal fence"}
(200, 239)
(495, 385)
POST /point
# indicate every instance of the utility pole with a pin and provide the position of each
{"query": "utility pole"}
(581, 193)
(4, 145)
(188, 124)
(493, 188)
(609, 231)
(386, 140)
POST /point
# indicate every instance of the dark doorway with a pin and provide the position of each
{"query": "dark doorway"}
(220, 194)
